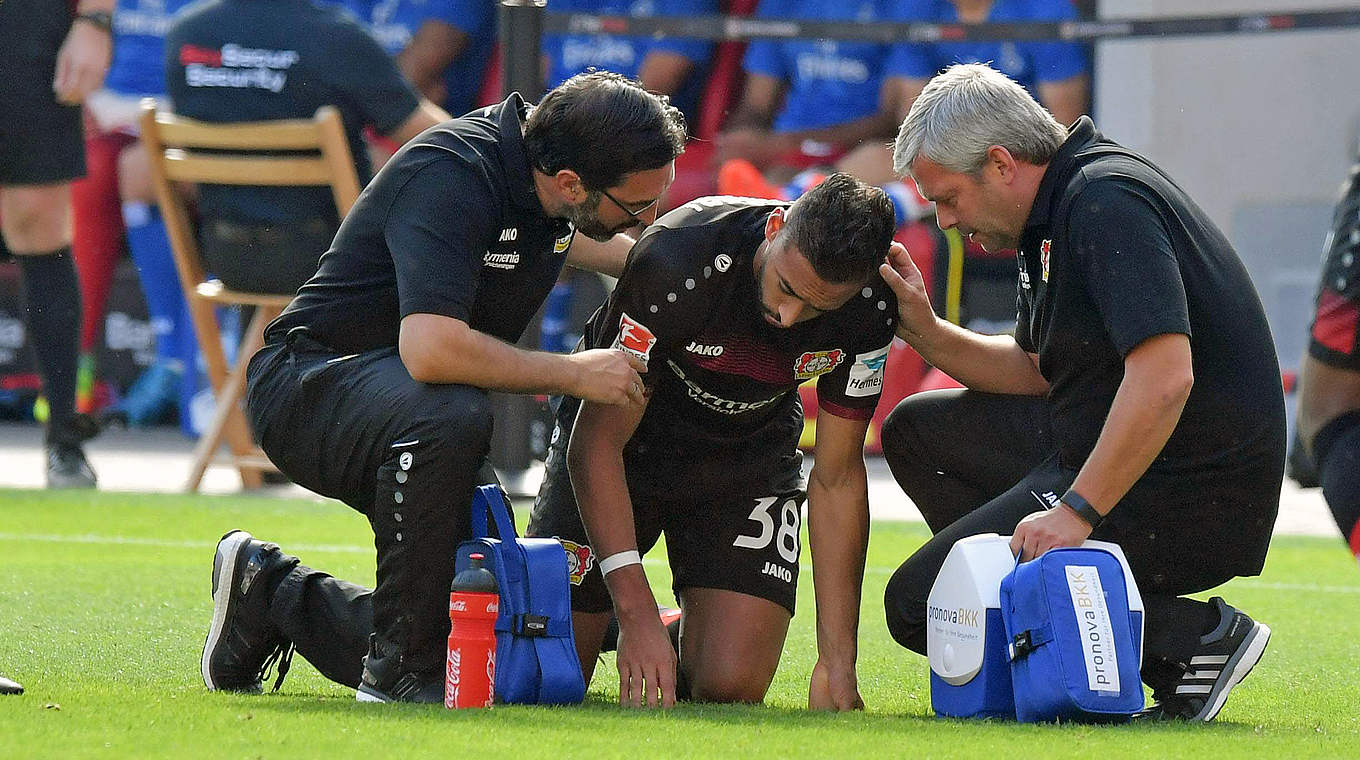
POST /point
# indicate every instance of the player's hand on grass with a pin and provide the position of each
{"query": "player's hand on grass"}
(1042, 531)
(646, 663)
(82, 63)
(834, 688)
(913, 302)
(608, 376)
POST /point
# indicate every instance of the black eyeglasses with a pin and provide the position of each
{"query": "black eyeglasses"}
(630, 212)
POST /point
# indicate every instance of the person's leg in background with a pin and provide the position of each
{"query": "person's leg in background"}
(156, 392)
(36, 222)
(1336, 449)
(97, 245)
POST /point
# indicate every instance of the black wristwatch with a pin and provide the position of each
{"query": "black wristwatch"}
(98, 19)
(1083, 508)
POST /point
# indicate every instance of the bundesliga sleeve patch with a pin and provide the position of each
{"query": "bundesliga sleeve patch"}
(866, 374)
(634, 338)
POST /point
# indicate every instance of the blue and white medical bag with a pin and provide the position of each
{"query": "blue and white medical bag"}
(982, 600)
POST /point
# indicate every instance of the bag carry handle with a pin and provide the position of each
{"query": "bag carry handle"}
(490, 498)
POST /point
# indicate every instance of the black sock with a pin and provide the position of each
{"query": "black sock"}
(52, 298)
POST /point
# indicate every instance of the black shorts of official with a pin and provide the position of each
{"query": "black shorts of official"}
(256, 258)
(41, 141)
(731, 516)
(1335, 332)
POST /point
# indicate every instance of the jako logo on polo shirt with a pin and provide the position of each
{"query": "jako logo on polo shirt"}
(634, 338)
(866, 374)
(509, 234)
(236, 67)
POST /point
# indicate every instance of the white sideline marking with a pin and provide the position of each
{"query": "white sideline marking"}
(648, 561)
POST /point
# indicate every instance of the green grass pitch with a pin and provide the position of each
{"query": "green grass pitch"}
(104, 603)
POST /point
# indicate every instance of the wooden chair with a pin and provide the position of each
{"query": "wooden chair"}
(315, 153)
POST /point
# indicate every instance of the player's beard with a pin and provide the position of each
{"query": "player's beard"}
(585, 217)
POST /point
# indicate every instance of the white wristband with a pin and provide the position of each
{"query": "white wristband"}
(619, 559)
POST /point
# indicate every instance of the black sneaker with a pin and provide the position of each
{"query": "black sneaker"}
(242, 644)
(383, 680)
(1225, 656)
(67, 468)
(8, 686)
(66, 464)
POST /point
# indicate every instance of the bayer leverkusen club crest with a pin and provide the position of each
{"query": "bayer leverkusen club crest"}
(814, 363)
(634, 338)
(1044, 249)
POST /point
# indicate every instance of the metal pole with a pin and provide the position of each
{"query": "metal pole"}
(521, 29)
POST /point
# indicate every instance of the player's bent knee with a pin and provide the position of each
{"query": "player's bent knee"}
(731, 685)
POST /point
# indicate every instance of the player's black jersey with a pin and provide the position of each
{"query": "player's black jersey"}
(688, 304)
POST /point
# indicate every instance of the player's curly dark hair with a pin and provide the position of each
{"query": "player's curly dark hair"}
(603, 126)
(843, 227)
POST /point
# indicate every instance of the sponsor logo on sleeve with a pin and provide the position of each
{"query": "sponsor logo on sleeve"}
(866, 374)
(561, 244)
(580, 559)
(635, 338)
(814, 363)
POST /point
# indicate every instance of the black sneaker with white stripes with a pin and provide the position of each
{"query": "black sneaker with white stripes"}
(1225, 656)
(242, 645)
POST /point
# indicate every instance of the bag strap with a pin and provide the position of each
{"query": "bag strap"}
(490, 498)
(560, 670)
(1024, 642)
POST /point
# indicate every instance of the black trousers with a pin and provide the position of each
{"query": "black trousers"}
(405, 454)
(979, 463)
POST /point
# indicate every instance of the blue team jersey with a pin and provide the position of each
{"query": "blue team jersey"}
(1028, 63)
(572, 54)
(395, 22)
(139, 46)
(829, 81)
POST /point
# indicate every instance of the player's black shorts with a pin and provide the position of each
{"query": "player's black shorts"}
(40, 140)
(731, 516)
(1335, 333)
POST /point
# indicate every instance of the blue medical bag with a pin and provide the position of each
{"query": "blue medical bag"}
(1074, 629)
(536, 660)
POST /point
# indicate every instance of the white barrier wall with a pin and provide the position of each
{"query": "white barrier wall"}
(1259, 128)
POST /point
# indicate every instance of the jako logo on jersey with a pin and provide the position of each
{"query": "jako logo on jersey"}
(702, 350)
(501, 260)
(579, 560)
(635, 338)
(814, 363)
(509, 233)
(1045, 248)
(866, 374)
(723, 262)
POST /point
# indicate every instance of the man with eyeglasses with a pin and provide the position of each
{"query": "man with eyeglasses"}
(733, 303)
(372, 385)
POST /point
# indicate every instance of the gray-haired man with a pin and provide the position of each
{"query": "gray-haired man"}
(1139, 400)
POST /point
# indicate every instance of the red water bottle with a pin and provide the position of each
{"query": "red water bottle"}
(470, 671)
